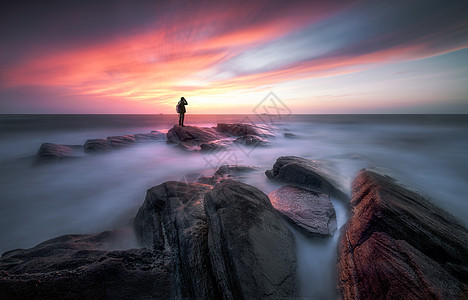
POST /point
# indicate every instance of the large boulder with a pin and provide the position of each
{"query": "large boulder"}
(84, 267)
(397, 244)
(252, 140)
(193, 135)
(252, 252)
(173, 217)
(121, 141)
(314, 174)
(53, 152)
(310, 212)
(149, 137)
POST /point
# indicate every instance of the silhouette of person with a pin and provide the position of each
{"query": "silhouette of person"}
(181, 110)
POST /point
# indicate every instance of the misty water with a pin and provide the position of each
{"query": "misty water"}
(426, 153)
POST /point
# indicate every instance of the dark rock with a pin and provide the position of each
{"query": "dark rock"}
(310, 212)
(233, 171)
(149, 137)
(289, 135)
(97, 145)
(83, 267)
(315, 174)
(399, 245)
(251, 250)
(252, 140)
(123, 141)
(53, 152)
(242, 129)
(219, 145)
(192, 135)
(173, 217)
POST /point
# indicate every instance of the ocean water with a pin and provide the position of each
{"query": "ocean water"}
(426, 153)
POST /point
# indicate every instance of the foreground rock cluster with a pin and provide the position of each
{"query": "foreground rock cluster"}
(218, 238)
(397, 245)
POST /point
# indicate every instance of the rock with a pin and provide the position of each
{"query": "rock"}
(251, 250)
(149, 137)
(118, 142)
(53, 152)
(97, 145)
(315, 174)
(82, 267)
(252, 140)
(310, 212)
(289, 135)
(242, 129)
(192, 135)
(172, 217)
(233, 171)
(219, 145)
(399, 245)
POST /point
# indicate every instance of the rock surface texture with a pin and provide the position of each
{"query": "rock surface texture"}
(251, 250)
(84, 267)
(53, 152)
(318, 175)
(310, 212)
(227, 242)
(398, 245)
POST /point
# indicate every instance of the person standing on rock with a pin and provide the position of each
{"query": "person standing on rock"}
(181, 110)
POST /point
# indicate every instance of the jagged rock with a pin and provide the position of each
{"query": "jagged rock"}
(84, 267)
(399, 245)
(251, 250)
(118, 142)
(310, 212)
(242, 129)
(192, 135)
(173, 217)
(226, 172)
(97, 145)
(53, 152)
(315, 174)
(252, 140)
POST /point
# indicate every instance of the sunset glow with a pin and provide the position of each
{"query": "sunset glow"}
(333, 58)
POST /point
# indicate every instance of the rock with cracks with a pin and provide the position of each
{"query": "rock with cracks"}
(314, 174)
(251, 250)
(399, 245)
(310, 212)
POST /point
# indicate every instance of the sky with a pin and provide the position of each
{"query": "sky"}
(227, 56)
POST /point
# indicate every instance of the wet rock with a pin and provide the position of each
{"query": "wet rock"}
(149, 137)
(252, 140)
(315, 174)
(97, 146)
(173, 218)
(226, 172)
(310, 212)
(215, 146)
(83, 267)
(193, 135)
(53, 152)
(289, 135)
(251, 250)
(242, 129)
(397, 244)
(123, 141)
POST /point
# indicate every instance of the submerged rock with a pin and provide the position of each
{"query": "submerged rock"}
(242, 129)
(84, 267)
(315, 174)
(149, 137)
(122, 141)
(252, 140)
(310, 212)
(53, 152)
(97, 146)
(251, 250)
(399, 245)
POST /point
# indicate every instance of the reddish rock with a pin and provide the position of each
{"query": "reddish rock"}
(242, 129)
(399, 245)
(54, 152)
(310, 212)
(193, 135)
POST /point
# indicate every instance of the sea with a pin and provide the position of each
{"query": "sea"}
(94, 193)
